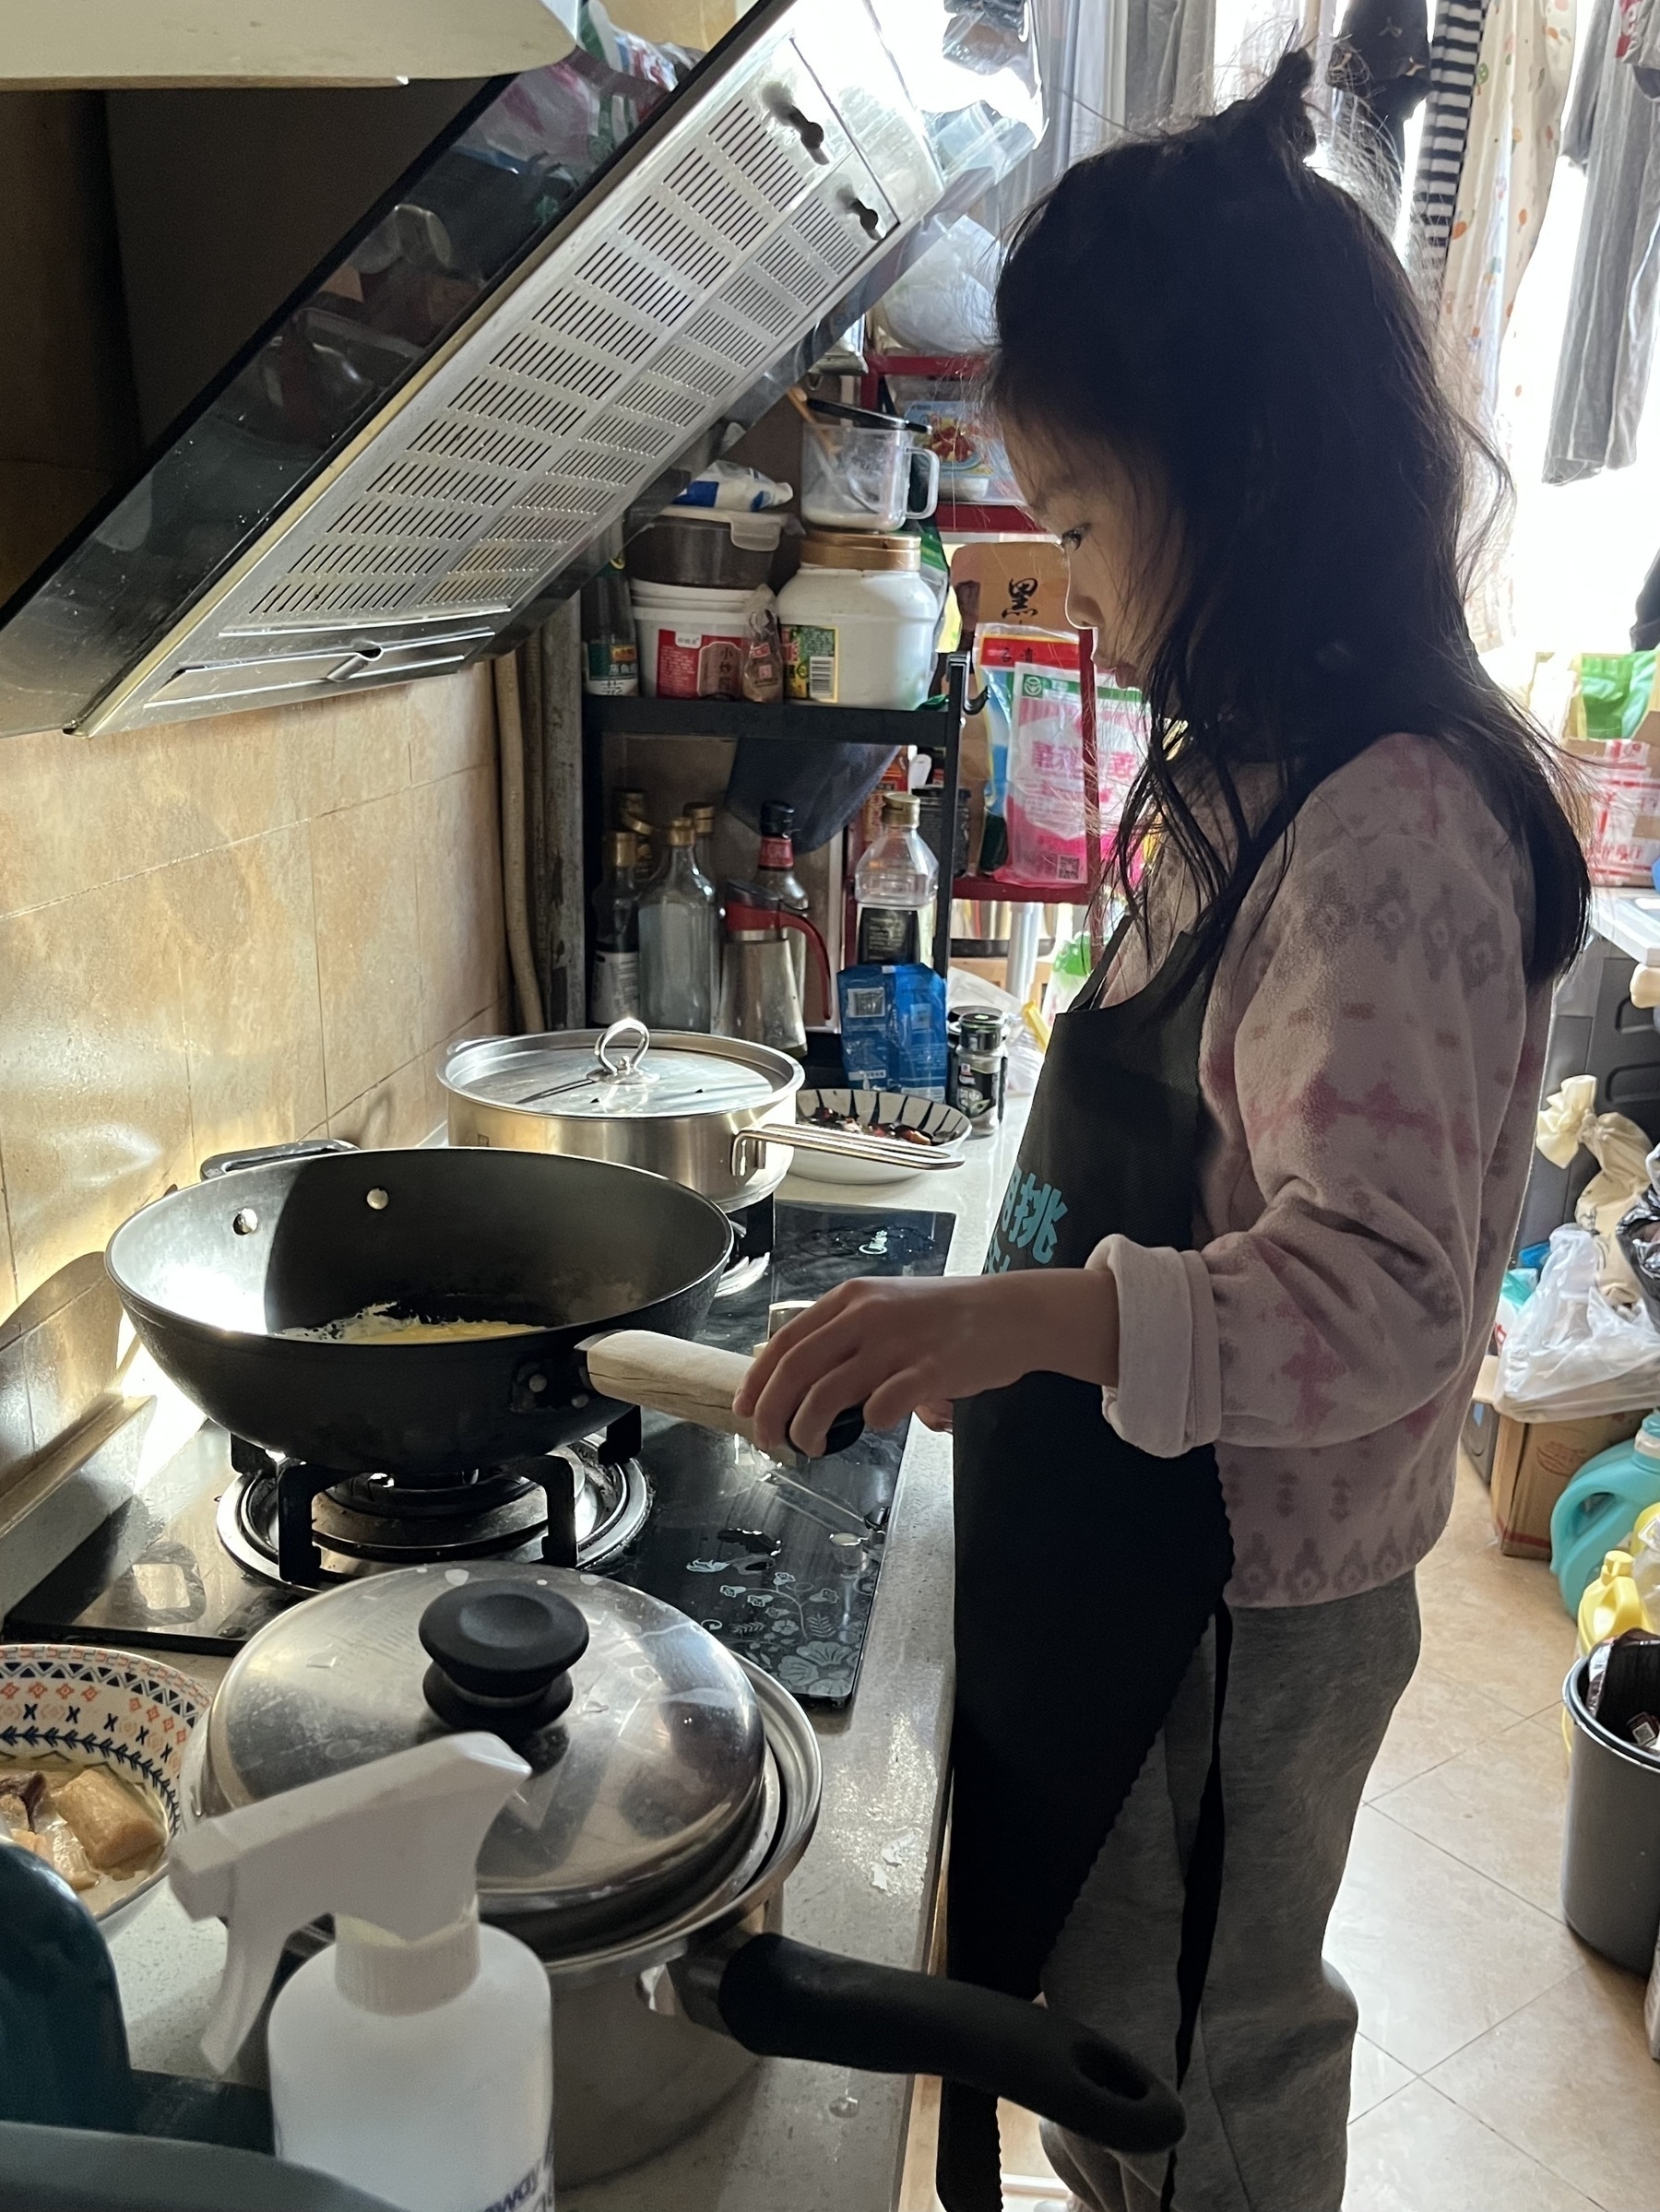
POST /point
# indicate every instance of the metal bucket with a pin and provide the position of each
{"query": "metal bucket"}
(1611, 1842)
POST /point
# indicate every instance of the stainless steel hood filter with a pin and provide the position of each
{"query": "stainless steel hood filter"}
(406, 469)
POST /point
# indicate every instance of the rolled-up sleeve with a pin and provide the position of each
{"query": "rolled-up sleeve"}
(1381, 1022)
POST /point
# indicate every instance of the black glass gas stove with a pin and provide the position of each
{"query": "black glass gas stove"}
(778, 1563)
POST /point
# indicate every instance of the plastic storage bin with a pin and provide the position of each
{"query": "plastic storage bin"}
(692, 642)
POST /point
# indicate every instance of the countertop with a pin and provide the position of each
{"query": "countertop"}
(813, 2137)
(1629, 918)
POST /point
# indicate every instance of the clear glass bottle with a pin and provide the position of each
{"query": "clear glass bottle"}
(616, 981)
(894, 887)
(611, 655)
(702, 818)
(677, 927)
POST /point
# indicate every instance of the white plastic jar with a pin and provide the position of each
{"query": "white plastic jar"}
(857, 622)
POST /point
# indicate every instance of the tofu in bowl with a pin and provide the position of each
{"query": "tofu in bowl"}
(93, 1747)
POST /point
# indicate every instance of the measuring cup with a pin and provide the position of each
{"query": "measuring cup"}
(860, 476)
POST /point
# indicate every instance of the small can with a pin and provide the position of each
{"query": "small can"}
(979, 1071)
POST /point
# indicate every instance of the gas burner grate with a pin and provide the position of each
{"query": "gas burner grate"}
(303, 1528)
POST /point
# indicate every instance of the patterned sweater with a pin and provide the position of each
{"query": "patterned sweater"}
(1369, 1071)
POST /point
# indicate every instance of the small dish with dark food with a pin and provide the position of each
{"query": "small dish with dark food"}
(904, 1115)
(92, 1754)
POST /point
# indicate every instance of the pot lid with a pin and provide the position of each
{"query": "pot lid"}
(756, 529)
(860, 548)
(648, 1077)
(863, 418)
(643, 1736)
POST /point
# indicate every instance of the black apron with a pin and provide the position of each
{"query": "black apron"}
(1087, 1571)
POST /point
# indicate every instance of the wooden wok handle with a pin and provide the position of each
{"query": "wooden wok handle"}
(687, 1381)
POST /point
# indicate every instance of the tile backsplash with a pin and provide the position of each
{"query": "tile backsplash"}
(232, 931)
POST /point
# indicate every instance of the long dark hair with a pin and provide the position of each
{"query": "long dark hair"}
(1236, 327)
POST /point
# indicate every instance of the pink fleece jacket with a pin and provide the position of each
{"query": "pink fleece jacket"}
(1369, 1069)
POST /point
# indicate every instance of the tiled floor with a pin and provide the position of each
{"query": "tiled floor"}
(1501, 2066)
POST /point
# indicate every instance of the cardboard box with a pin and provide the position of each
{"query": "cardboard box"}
(1534, 1461)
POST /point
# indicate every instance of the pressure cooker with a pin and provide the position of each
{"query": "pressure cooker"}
(674, 1791)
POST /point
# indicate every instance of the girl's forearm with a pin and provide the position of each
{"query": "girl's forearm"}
(1068, 1321)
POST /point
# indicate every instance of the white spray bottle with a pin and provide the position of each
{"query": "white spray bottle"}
(414, 2056)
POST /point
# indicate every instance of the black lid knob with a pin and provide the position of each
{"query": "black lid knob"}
(501, 1653)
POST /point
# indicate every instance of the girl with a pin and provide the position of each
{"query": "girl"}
(1246, 1264)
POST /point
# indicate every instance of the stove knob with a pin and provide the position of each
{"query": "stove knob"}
(501, 1653)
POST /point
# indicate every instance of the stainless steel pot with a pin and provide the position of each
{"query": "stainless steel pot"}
(713, 1114)
(706, 550)
(672, 1793)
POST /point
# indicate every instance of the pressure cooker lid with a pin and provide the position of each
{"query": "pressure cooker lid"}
(643, 1736)
(650, 1076)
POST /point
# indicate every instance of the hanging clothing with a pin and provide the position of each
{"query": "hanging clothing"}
(1453, 55)
(1311, 1692)
(1510, 159)
(1608, 342)
(1645, 626)
(1380, 68)
(1169, 47)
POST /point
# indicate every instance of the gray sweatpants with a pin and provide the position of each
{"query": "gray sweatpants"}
(1310, 1690)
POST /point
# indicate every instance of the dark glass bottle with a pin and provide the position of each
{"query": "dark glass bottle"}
(616, 988)
(774, 874)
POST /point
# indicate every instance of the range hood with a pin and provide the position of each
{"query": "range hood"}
(523, 347)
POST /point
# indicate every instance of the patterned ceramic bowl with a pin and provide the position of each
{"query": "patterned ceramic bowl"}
(93, 1708)
(944, 1126)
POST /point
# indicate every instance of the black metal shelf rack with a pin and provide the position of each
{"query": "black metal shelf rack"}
(937, 731)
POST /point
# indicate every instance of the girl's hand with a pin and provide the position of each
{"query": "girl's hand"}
(899, 1343)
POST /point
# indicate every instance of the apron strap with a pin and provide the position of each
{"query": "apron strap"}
(1202, 1901)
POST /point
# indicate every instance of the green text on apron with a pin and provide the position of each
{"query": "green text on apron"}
(1086, 1569)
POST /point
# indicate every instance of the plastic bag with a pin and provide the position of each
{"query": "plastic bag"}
(942, 305)
(1620, 1149)
(826, 781)
(1638, 1239)
(733, 488)
(1573, 1353)
(1045, 802)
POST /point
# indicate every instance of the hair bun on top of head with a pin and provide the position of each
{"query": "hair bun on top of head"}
(1274, 123)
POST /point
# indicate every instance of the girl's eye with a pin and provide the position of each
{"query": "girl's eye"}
(1071, 539)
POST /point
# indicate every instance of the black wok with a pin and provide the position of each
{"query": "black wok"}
(210, 1274)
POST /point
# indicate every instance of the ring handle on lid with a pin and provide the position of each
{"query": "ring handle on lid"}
(501, 1653)
(624, 1045)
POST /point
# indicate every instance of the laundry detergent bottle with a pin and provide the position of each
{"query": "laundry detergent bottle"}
(1598, 1509)
(412, 2057)
(1611, 1604)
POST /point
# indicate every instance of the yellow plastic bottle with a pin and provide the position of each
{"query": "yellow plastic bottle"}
(1611, 1604)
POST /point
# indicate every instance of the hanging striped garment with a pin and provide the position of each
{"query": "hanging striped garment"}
(1453, 52)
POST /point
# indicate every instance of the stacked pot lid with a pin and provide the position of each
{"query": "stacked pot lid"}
(678, 1073)
(650, 1778)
